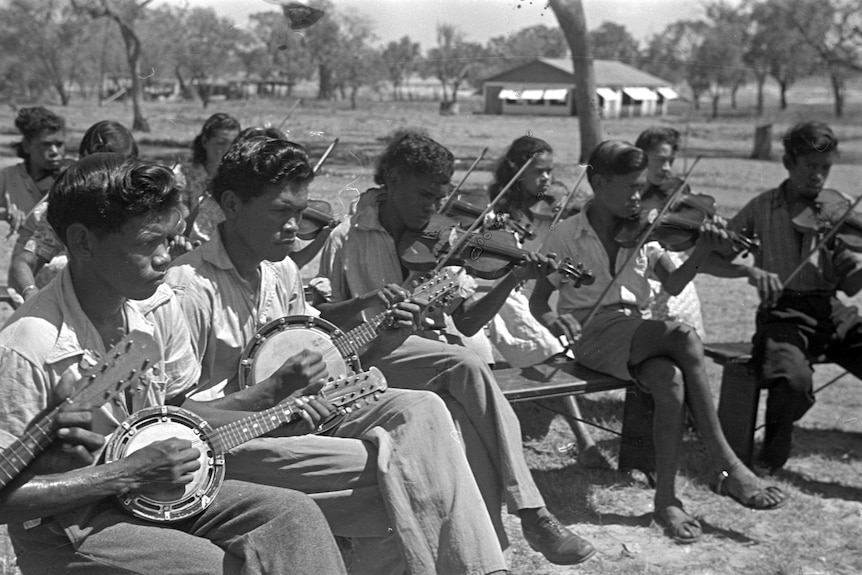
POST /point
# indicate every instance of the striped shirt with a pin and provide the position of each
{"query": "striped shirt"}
(768, 217)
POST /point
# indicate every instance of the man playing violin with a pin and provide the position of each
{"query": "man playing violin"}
(116, 216)
(386, 472)
(362, 261)
(799, 320)
(665, 358)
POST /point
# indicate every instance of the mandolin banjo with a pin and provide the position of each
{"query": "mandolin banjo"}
(126, 364)
(286, 336)
(163, 422)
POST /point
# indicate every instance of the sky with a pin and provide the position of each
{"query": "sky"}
(479, 20)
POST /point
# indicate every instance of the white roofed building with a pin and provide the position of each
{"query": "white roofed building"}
(545, 86)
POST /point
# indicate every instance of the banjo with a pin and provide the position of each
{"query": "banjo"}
(124, 365)
(285, 336)
(162, 422)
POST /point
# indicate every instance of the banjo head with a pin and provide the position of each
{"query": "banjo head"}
(287, 336)
(156, 424)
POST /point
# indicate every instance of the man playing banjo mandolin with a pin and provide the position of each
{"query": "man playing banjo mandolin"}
(116, 217)
(393, 476)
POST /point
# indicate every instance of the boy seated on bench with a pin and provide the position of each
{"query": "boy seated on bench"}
(665, 358)
(801, 319)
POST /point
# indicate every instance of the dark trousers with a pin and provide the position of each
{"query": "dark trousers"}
(802, 327)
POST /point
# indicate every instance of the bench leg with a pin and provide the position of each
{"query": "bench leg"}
(737, 409)
(637, 450)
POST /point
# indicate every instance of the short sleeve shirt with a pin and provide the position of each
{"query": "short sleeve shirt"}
(224, 311)
(768, 217)
(360, 256)
(575, 238)
(50, 335)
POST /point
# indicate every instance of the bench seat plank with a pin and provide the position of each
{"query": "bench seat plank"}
(556, 379)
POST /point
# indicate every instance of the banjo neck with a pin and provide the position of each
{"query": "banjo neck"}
(438, 287)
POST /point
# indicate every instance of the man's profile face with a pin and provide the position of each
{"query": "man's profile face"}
(660, 166)
(807, 173)
(132, 261)
(621, 194)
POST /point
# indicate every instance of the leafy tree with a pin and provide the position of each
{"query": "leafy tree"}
(208, 45)
(570, 15)
(722, 50)
(537, 41)
(323, 41)
(276, 51)
(776, 48)
(612, 41)
(833, 28)
(673, 54)
(399, 59)
(126, 14)
(454, 60)
(52, 42)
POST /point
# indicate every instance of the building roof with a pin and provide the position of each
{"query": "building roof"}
(609, 74)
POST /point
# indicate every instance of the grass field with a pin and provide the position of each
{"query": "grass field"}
(818, 533)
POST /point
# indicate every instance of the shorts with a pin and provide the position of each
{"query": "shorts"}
(606, 343)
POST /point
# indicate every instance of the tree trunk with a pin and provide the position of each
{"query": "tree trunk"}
(715, 99)
(133, 56)
(570, 15)
(324, 85)
(762, 142)
(784, 85)
(838, 93)
(353, 92)
(761, 81)
(455, 86)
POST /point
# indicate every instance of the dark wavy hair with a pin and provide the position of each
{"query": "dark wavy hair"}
(521, 150)
(216, 122)
(267, 131)
(31, 121)
(108, 136)
(808, 138)
(414, 152)
(254, 165)
(104, 190)
(654, 137)
(615, 158)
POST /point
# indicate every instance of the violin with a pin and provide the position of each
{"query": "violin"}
(680, 224)
(465, 208)
(315, 217)
(489, 254)
(832, 208)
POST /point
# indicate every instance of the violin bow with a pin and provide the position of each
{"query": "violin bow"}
(325, 155)
(289, 113)
(826, 237)
(462, 241)
(652, 226)
(565, 200)
(454, 191)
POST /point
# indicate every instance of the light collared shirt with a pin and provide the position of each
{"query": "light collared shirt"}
(360, 257)
(575, 238)
(768, 217)
(50, 335)
(224, 311)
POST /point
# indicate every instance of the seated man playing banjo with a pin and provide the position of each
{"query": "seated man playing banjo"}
(115, 216)
(392, 476)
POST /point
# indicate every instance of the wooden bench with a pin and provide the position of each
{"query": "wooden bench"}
(739, 396)
(562, 378)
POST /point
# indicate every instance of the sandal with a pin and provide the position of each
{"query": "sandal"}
(764, 499)
(677, 524)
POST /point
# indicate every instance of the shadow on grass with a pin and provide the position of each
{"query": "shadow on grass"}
(567, 492)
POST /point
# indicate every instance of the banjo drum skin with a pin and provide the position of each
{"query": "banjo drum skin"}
(287, 336)
(156, 424)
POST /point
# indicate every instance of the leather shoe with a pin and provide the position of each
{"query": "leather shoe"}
(556, 542)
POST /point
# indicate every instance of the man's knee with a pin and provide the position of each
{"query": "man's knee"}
(662, 377)
(784, 364)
